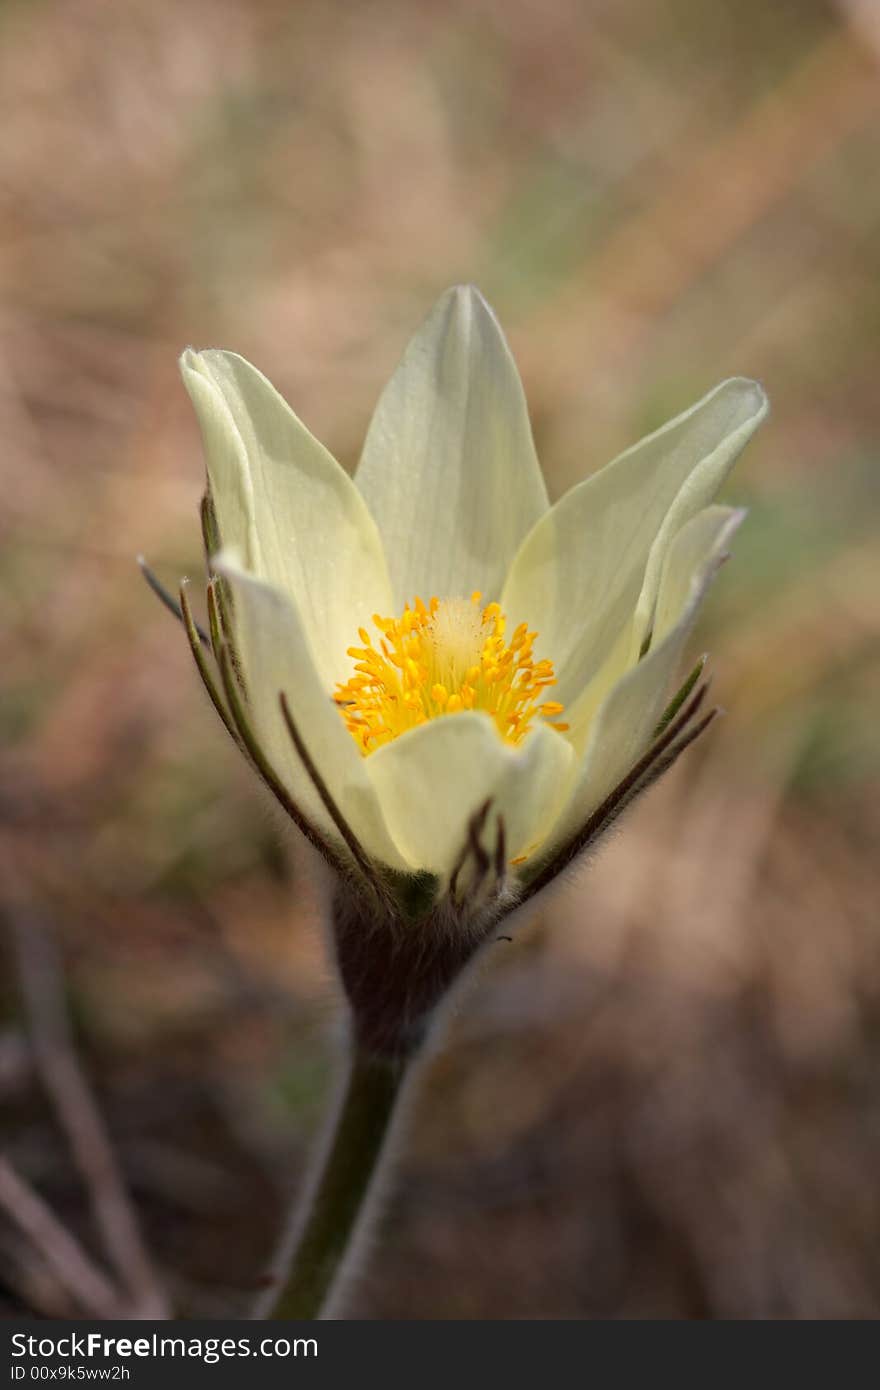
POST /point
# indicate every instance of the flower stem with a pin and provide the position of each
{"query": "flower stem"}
(345, 1177)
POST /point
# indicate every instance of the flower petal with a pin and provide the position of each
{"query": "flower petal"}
(624, 724)
(432, 780)
(275, 655)
(578, 576)
(284, 503)
(449, 469)
(748, 406)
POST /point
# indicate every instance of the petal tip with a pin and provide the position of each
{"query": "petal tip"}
(229, 562)
(465, 292)
(735, 518)
(752, 393)
(466, 300)
(189, 359)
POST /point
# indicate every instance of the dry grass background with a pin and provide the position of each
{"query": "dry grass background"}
(664, 1099)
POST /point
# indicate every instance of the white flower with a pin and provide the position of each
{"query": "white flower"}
(483, 592)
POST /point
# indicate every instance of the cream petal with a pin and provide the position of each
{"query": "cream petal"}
(449, 469)
(748, 406)
(275, 656)
(285, 504)
(579, 574)
(580, 711)
(629, 713)
(431, 781)
(228, 473)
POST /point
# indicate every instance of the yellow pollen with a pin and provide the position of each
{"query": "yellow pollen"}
(437, 659)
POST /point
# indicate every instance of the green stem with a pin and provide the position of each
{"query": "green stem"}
(344, 1179)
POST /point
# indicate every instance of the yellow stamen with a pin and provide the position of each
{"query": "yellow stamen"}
(437, 659)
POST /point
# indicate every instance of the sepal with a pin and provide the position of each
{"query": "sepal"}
(210, 527)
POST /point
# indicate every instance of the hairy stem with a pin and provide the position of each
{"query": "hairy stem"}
(344, 1181)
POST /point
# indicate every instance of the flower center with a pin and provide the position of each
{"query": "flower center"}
(438, 659)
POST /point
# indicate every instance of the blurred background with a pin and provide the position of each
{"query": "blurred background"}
(663, 1099)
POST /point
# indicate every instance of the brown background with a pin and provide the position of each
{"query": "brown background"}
(664, 1099)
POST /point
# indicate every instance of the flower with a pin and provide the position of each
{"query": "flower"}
(452, 687)
(429, 656)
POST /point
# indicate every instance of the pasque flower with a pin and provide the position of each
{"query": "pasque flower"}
(452, 685)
